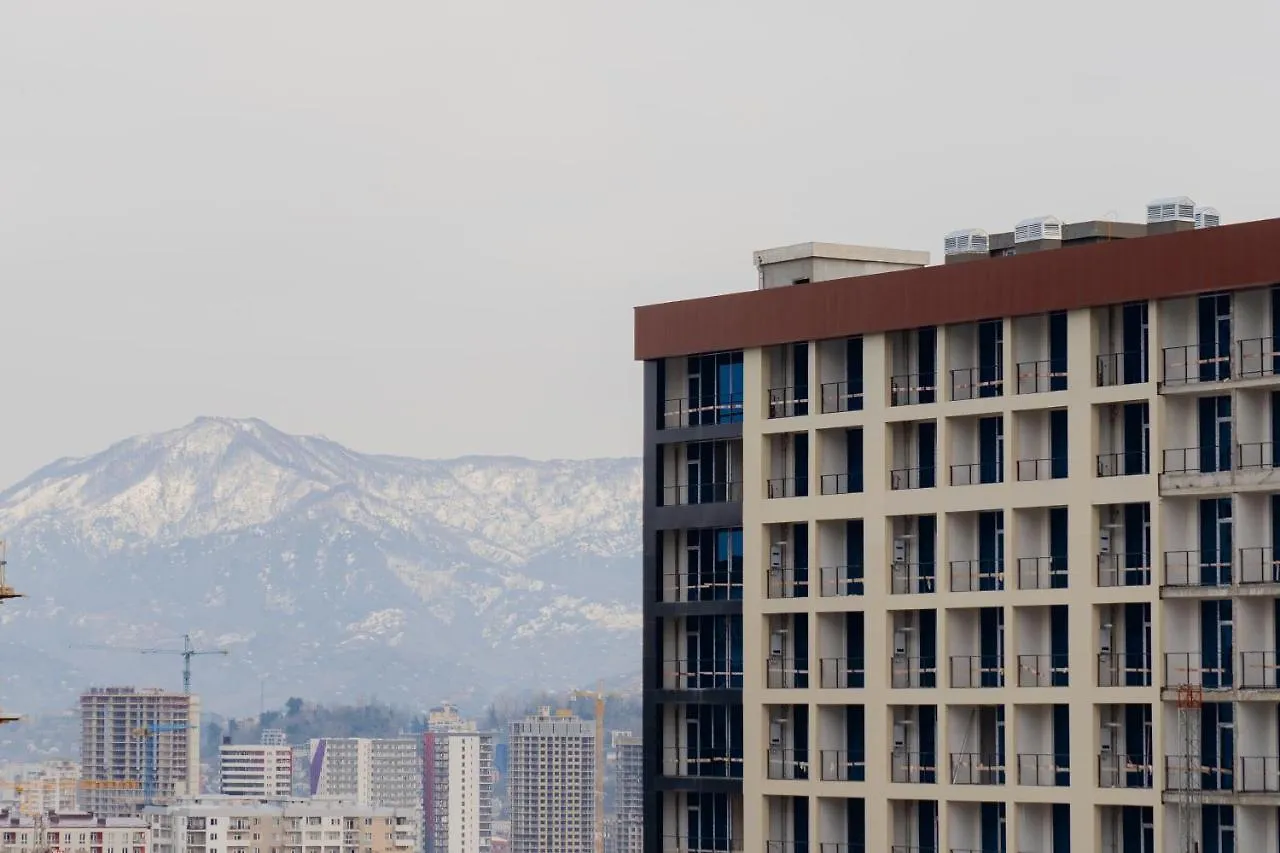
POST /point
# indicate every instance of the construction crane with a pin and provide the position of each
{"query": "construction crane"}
(188, 651)
(149, 733)
(599, 697)
(6, 592)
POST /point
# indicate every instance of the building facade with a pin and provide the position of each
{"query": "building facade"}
(132, 739)
(42, 787)
(626, 826)
(72, 832)
(457, 784)
(381, 772)
(255, 770)
(978, 556)
(551, 783)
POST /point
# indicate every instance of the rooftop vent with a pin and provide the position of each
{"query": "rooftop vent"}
(970, 241)
(1207, 217)
(1039, 228)
(1180, 209)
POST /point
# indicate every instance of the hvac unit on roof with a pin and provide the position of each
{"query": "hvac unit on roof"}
(1038, 228)
(969, 241)
(1180, 209)
(1207, 217)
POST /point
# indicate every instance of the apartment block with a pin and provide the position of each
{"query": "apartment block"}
(71, 832)
(457, 784)
(40, 787)
(136, 742)
(551, 776)
(979, 556)
(257, 771)
(219, 824)
(382, 772)
(626, 825)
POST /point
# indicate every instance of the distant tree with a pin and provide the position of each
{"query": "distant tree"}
(293, 706)
(267, 719)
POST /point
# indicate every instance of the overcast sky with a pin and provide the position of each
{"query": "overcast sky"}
(420, 227)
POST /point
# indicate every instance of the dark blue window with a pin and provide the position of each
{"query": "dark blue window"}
(991, 550)
(1218, 823)
(1062, 745)
(1137, 644)
(1137, 828)
(715, 564)
(1215, 542)
(800, 536)
(1216, 644)
(1058, 351)
(990, 641)
(1217, 746)
(990, 357)
(853, 366)
(800, 378)
(1061, 833)
(991, 449)
(1214, 311)
(928, 648)
(1215, 434)
(1137, 544)
(853, 458)
(1136, 438)
(800, 444)
(1058, 547)
(928, 773)
(715, 388)
(1059, 632)
(1058, 444)
(1134, 333)
(927, 436)
(856, 741)
(992, 820)
(927, 551)
(855, 649)
(854, 555)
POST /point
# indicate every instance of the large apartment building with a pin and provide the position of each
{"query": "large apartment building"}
(551, 775)
(71, 832)
(626, 824)
(256, 770)
(457, 784)
(136, 742)
(382, 772)
(974, 556)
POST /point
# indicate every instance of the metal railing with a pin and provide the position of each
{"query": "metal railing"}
(1123, 463)
(689, 494)
(1191, 364)
(1046, 468)
(976, 768)
(1258, 565)
(713, 409)
(1044, 770)
(682, 674)
(1043, 670)
(1181, 774)
(913, 579)
(1195, 568)
(913, 671)
(841, 484)
(1124, 570)
(977, 473)
(788, 401)
(787, 763)
(1255, 455)
(923, 477)
(1191, 460)
(1116, 770)
(1042, 572)
(701, 844)
(913, 767)
(977, 576)
(1194, 669)
(840, 847)
(1124, 669)
(1258, 671)
(841, 580)
(1257, 358)
(709, 585)
(1260, 774)
(786, 673)
(842, 673)
(685, 762)
(841, 397)
(910, 389)
(977, 671)
(787, 487)
(1037, 377)
(972, 383)
(1121, 368)
(787, 582)
(839, 765)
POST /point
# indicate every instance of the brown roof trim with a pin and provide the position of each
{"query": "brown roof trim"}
(1231, 257)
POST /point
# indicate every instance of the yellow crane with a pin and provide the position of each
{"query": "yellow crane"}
(599, 697)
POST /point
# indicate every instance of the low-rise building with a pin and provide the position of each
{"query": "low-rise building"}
(72, 832)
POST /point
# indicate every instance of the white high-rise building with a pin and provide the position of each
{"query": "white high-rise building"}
(382, 772)
(457, 784)
(627, 824)
(551, 783)
(118, 762)
(258, 771)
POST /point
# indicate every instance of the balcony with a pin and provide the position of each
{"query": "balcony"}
(1038, 377)
(787, 487)
(972, 383)
(1124, 771)
(1044, 770)
(701, 844)
(683, 674)
(1042, 572)
(686, 494)
(1183, 776)
(1047, 468)
(1184, 569)
(977, 576)
(691, 763)
(839, 765)
(1124, 669)
(1260, 774)
(841, 397)
(841, 580)
(787, 582)
(917, 768)
(1258, 671)
(679, 412)
(973, 768)
(1125, 463)
(977, 671)
(1258, 566)
(841, 484)
(1193, 669)
(977, 473)
(911, 389)
(786, 673)
(1120, 368)
(1043, 670)
(1124, 570)
(912, 478)
(913, 579)
(787, 763)
(842, 673)
(840, 847)
(907, 672)
(788, 402)
(1193, 364)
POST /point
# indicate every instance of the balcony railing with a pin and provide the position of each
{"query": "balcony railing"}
(787, 487)
(1036, 377)
(1124, 669)
(977, 671)
(1193, 364)
(1121, 368)
(1044, 770)
(1123, 463)
(1195, 669)
(919, 768)
(1181, 774)
(1042, 572)
(840, 847)
(1258, 565)
(842, 673)
(839, 765)
(977, 473)
(913, 579)
(701, 844)
(1047, 468)
(787, 763)
(841, 580)
(709, 585)
(1255, 456)
(685, 762)
(841, 484)
(841, 397)
(788, 402)
(924, 477)
(702, 411)
(1257, 358)
(787, 582)
(710, 674)
(1260, 774)
(1258, 671)
(786, 673)
(1043, 670)
(1125, 771)
(1196, 568)
(909, 389)
(975, 768)
(688, 494)
(977, 576)
(913, 671)
(970, 383)
(1196, 460)
(1124, 570)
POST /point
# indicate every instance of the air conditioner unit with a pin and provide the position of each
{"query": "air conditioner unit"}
(777, 644)
(1104, 640)
(900, 643)
(1104, 541)
(777, 552)
(775, 733)
(899, 549)
(900, 737)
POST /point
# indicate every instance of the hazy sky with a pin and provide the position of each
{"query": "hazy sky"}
(420, 227)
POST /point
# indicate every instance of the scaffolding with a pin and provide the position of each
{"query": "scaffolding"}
(1190, 700)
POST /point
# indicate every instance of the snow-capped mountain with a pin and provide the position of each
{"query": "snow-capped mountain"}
(326, 573)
